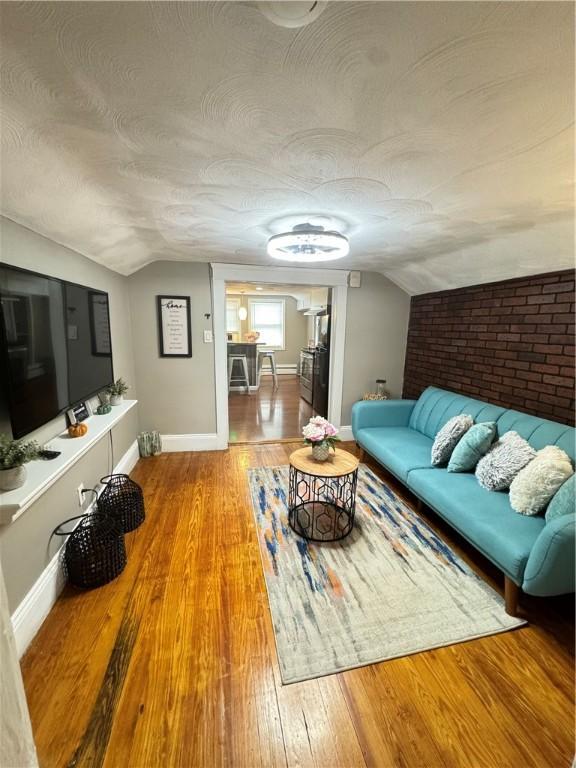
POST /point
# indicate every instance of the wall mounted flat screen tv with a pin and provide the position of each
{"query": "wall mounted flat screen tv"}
(55, 346)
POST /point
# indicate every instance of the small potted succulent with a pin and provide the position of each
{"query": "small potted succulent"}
(14, 454)
(117, 390)
(322, 436)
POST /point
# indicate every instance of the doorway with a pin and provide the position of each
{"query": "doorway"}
(335, 279)
(278, 348)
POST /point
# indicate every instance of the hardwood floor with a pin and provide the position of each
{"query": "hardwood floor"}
(174, 663)
(269, 414)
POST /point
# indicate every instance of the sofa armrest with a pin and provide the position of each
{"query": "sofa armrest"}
(381, 413)
(550, 567)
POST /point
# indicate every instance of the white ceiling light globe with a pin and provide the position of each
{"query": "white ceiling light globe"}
(292, 13)
(307, 243)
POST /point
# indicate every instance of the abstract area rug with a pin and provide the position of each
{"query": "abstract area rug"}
(391, 588)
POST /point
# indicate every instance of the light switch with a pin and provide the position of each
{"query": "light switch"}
(207, 337)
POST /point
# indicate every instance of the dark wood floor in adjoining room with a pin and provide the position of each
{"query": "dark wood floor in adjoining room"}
(269, 414)
(174, 665)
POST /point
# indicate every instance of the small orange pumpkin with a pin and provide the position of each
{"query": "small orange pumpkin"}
(77, 430)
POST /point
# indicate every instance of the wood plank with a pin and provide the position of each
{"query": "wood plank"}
(175, 664)
(268, 414)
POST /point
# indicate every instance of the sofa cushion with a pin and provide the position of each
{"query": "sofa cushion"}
(483, 517)
(435, 406)
(400, 449)
(447, 438)
(564, 501)
(539, 432)
(472, 447)
(536, 484)
(504, 460)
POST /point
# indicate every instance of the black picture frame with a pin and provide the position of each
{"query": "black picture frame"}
(161, 308)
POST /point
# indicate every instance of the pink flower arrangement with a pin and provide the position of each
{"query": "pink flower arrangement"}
(319, 430)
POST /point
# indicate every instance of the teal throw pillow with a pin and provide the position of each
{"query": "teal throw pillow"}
(564, 500)
(472, 447)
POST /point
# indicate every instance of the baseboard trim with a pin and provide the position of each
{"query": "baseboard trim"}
(129, 460)
(282, 369)
(35, 607)
(30, 614)
(206, 442)
(345, 433)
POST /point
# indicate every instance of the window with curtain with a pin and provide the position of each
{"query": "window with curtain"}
(267, 317)
(232, 319)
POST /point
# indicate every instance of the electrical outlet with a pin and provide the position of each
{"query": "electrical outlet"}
(80, 492)
(207, 337)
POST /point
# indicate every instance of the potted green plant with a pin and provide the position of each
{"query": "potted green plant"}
(14, 454)
(117, 390)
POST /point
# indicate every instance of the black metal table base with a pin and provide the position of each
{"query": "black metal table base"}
(321, 508)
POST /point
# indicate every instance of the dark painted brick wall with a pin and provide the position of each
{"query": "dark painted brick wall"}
(511, 343)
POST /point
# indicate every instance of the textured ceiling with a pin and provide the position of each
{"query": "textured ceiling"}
(437, 136)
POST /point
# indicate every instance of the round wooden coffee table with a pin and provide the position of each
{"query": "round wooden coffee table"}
(322, 495)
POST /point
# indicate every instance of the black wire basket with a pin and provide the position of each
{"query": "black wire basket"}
(95, 553)
(122, 500)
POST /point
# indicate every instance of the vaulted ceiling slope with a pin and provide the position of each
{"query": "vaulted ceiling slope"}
(437, 136)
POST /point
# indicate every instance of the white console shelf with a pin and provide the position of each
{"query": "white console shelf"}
(42, 474)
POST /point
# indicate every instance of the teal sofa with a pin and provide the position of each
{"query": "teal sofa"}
(535, 556)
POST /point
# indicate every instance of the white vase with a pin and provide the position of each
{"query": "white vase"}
(12, 478)
(116, 399)
(320, 451)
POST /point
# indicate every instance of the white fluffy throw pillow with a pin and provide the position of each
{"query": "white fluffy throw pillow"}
(534, 486)
(447, 438)
(504, 460)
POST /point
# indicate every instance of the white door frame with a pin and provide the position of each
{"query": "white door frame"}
(337, 279)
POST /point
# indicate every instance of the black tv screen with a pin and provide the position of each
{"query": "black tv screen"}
(55, 346)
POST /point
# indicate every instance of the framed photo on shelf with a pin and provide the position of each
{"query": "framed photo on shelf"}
(174, 326)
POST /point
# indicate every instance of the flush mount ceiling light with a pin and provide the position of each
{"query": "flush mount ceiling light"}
(292, 13)
(307, 243)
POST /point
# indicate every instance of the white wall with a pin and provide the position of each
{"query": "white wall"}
(176, 396)
(16, 738)
(376, 331)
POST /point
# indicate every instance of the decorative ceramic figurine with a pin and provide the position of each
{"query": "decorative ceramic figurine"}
(150, 443)
(78, 430)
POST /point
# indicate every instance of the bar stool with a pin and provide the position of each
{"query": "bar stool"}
(267, 355)
(243, 360)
